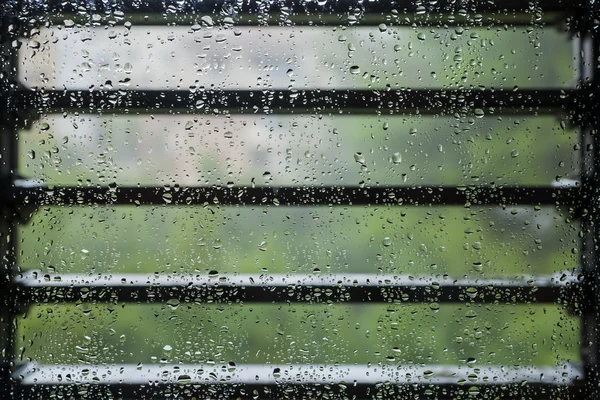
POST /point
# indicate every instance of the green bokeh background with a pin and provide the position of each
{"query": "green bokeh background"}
(457, 148)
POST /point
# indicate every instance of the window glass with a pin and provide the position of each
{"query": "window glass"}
(299, 334)
(491, 147)
(297, 57)
(300, 150)
(474, 242)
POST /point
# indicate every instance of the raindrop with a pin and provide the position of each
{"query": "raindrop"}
(207, 21)
(173, 304)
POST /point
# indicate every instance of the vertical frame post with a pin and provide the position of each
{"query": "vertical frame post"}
(8, 217)
(590, 180)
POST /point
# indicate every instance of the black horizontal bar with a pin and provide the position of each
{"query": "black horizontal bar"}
(35, 287)
(393, 101)
(298, 381)
(292, 195)
(118, 8)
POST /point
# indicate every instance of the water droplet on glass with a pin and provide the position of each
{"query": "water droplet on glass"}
(359, 158)
(382, 27)
(355, 69)
(207, 21)
(396, 158)
(173, 304)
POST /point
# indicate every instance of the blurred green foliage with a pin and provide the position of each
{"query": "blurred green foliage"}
(453, 149)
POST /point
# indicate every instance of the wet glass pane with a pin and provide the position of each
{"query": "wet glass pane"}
(510, 143)
(300, 150)
(299, 334)
(475, 242)
(297, 57)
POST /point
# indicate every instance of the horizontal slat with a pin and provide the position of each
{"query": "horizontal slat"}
(293, 196)
(294, 6)
(254, 11)
(42, 288)
(421, 101)
(299, 381)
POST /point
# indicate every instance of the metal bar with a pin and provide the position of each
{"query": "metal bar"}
(421, 101)
(8, 219)
(299, 381)
(225, 13)
(283, 18)
(293, 196)
(35, 287)
(591, 226)
(292, 6)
